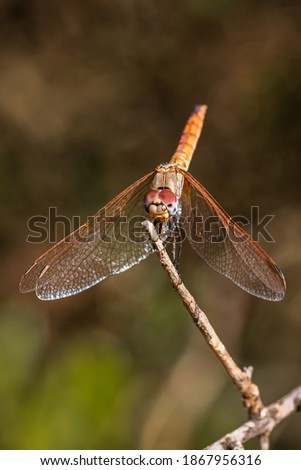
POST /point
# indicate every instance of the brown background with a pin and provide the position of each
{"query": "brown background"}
(92, 96)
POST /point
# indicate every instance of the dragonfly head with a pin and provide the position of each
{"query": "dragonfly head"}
(161, 204)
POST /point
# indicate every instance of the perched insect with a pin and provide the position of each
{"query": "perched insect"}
(179, 207)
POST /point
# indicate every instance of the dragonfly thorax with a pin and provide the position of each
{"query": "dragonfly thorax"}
(161, 204)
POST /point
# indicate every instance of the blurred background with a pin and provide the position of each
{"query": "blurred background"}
(92, 96)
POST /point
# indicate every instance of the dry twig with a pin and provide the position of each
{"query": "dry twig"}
(262, 420)
(241, 378)
(272, 416)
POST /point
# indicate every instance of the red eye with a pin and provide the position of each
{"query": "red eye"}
(167, 197)
(150, 196)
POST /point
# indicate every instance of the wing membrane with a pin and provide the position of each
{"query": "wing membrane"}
(107, 244)
(226, 247)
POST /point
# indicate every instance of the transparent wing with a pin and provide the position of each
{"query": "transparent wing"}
(109, 243)
(225, 246)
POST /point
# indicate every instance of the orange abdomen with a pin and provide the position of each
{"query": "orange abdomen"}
(189, 138)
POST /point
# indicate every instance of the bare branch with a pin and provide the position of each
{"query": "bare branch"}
(264, 441)
(240, 378)
(271, 417)
(263, 419)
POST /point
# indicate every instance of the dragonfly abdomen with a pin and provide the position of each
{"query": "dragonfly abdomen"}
(189, 138)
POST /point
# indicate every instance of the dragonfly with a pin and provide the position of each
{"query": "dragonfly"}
(175, 203)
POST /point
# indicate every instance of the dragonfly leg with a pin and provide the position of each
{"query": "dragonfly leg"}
(176, 244)
(170, 233)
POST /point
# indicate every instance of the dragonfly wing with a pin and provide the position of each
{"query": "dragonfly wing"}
(226, 247)
(109, 243)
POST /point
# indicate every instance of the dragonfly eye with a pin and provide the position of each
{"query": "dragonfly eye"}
(170, 200)
(161, 204)
(151, 197)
